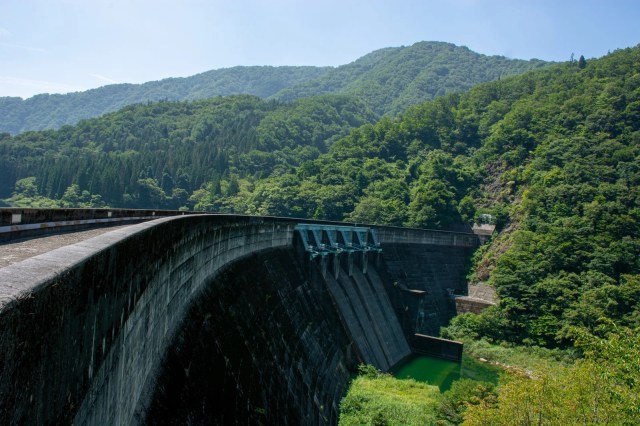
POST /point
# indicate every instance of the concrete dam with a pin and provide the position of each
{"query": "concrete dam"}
(219, 319)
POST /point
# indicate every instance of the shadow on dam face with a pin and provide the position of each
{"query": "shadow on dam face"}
(262, 345)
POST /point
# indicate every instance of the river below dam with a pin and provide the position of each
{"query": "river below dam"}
(443, 373)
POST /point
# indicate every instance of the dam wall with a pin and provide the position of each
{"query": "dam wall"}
(367, 313)
(16, 223)
(262, 345)
(227, 309)
(422, 271)
(83, 327)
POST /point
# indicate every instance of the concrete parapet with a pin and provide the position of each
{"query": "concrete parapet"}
(484, 231)
(480, 297)
(467, 304)
(23, 216)
(396, 235)
(18, 223)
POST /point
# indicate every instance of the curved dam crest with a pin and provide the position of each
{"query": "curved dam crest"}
(88, 331)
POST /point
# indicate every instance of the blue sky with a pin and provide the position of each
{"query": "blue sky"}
(59, 46)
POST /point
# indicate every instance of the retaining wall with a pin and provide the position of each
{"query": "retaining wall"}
(440, 348)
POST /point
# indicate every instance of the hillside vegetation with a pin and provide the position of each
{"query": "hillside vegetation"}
(599, 388)
(47, 111)
(392, 79)
(387, 80)
(375, 398)
(552, 155)
(172, 155)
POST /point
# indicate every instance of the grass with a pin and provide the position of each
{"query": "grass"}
(380, 399)
(522, 358)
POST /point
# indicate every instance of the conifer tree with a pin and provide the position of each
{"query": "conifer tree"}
(582, 62)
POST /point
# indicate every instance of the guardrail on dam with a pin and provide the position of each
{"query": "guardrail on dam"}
(85, 330)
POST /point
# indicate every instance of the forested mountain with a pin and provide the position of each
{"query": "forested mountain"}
(163, 153)
(552, 155)
(388, 80)
(53, 111)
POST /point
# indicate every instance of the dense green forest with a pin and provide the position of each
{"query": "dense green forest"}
(553, 155)
(392, 79)
(173, 154)
(387, 80)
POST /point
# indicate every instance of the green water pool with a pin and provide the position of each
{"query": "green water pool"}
(443, 373)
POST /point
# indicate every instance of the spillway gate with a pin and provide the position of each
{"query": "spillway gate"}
(322, 240)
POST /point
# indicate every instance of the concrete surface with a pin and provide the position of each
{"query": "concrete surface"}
(19, 250)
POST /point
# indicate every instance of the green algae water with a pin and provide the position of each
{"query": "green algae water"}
(443, 373)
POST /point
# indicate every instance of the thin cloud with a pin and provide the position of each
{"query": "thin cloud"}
(4, 32)
(22, 47)
(20, 86)
(105, 79)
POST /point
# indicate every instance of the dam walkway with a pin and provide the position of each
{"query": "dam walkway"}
(16, 251)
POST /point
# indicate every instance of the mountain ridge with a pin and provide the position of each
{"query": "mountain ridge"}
(429, 76)
(22, 115)
(389, 79)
